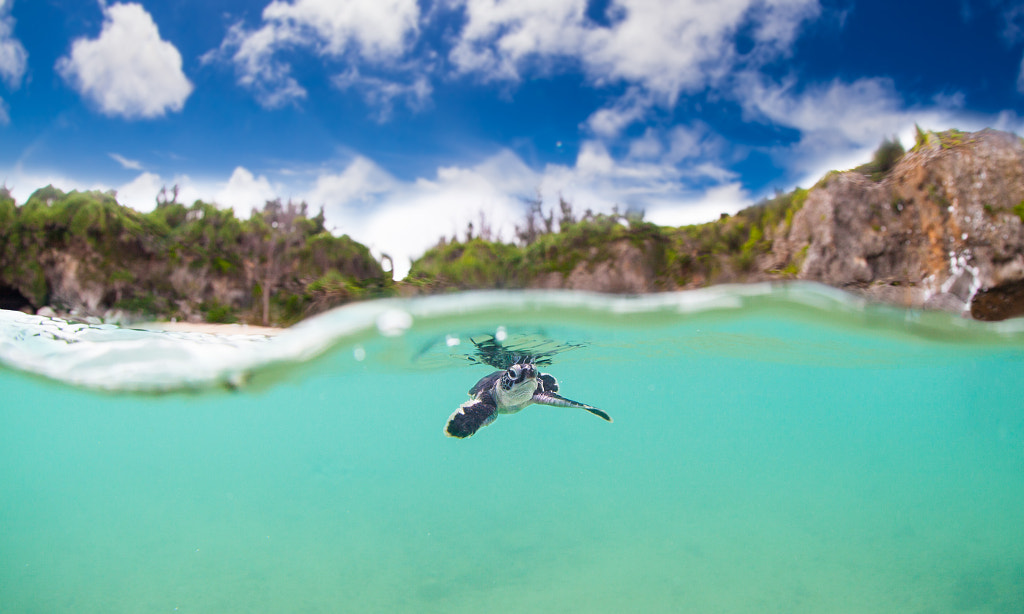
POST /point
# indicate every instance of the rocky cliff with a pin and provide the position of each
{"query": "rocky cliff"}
(939, 227)
(943, 229)
(82, 254)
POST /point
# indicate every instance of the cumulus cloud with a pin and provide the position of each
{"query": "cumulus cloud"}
(600, 182)
(661, 49)
(361, 183)
(699, 208)
(13, 57)
(405, 218)
(128, 71)
(242, 191)
(140, 193)
(840, 123)
(658, 49)
(851, 112)
(371, 31)
(245, 191)
(631, 107)
(498, 37)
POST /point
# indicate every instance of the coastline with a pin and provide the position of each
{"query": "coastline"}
(210, 329)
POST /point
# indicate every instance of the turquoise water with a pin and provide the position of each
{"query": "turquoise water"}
(775, 449)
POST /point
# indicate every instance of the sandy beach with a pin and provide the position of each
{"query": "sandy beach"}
(211, 329)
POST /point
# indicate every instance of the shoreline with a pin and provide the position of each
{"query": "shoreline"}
(209, 329)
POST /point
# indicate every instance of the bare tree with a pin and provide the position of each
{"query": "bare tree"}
(161, 198)
(486, 232)
(535, 223)
(568, 216)
(277, 235)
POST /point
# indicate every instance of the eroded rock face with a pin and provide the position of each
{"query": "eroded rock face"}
(72, 282)
(940, 231)
(626, 271)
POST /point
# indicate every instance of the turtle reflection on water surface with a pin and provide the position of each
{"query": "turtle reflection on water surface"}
(506, 392)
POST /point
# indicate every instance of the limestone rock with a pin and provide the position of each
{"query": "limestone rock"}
(940, 231)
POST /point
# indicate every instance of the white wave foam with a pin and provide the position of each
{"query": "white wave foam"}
(112, 358)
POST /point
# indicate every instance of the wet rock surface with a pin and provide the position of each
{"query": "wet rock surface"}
(942, 230)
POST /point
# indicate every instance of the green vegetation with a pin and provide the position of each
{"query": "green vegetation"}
(1019, 210)
(883, 160)
(281, 264)
(181, 261)
(476, 263)
(729, 248)
(947, 139)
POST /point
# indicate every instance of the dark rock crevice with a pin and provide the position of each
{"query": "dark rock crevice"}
(14, 300)
(999, 303)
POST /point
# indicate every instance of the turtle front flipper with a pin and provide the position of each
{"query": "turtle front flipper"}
(557, 400)
(546, 383)
(469, 418)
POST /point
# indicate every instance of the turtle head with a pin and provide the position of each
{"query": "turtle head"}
(521, 374)
(516, 387)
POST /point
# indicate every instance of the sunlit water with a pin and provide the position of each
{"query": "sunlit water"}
(774, 449)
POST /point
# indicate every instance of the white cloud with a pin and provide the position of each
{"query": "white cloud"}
(128, 70)
(694, 142)
(840, 123)
(140, 193)
(361, 183)
(404, 219)
(372, 31)
(380, 94)
(727, 198)
(666, 47)
(843, 112)
(132, 165)
(13, 57)
(379, 29)
(627, 109)
(599, 181)
(23, 182)
(244, 191)
(258, 70)
(659, 49)
(499, 36)
(594, 159)
(647, 146)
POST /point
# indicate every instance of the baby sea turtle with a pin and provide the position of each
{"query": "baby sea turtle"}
(506, 392)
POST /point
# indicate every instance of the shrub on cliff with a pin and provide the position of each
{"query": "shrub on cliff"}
(272, 257)
(883, 160)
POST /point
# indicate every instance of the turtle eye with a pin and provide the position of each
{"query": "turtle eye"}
(513, 372)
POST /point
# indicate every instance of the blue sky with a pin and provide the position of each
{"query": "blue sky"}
(405, 119)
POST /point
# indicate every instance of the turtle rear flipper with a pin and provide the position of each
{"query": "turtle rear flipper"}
(469, 418)
(557, 400)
